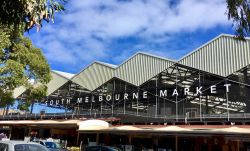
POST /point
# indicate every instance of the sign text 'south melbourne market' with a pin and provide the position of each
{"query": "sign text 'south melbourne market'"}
(134, 95)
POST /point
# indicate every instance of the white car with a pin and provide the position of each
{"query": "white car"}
(21, 146)
(52, 146)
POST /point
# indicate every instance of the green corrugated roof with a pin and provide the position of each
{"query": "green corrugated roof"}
(222, 56)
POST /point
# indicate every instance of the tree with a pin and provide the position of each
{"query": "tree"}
(21, 63)
(239, 12)
(29, 13)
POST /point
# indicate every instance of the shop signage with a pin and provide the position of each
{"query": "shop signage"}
(135, 95)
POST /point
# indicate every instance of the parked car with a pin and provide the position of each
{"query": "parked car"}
(21, 146)
(101, 148)
(53, 146)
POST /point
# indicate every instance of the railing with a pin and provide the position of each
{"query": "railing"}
(108, 113)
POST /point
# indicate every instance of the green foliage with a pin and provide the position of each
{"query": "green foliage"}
(239, 12)
(33, 93)
(20, 61)
(29, 13)
(6, 98)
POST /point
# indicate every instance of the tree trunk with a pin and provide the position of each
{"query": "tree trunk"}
(31, 109)
(7, 109)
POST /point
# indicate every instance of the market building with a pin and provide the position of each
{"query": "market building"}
(209, 86)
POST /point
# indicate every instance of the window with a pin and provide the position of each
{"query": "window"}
(53, 145)
(3, 147)
(93, 148)
(29, 147)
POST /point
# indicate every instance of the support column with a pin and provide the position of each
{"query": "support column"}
(29, 131)
(207, 110)
(176, 143)
(156, 96)
(113, 97)
(124, 101)
(238, 145)
(11, 132)
(90, 111)
(51, 133)
(130, 140)
(97, 138)
(176, 97)
(77, 140)
(200, 95)
(66, 110)
(228, 116)
(137, 102)
(101, 109)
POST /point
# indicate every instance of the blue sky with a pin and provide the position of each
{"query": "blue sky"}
(113, 30)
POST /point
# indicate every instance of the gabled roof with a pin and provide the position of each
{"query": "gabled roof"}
(58, 80)
(222, 56)
(94, 75)
(141, 67)
(64, 74)
(107, 64)
(18, 91)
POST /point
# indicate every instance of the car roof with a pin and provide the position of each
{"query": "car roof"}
(47, 141)
(14, 142)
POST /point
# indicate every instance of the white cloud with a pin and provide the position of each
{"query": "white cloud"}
(88, 28)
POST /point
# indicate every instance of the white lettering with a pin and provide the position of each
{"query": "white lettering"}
(227, 87)
(62, 100)
(186, 91)
(213, 89)
(145, 95)
(92, 99)
(79, 100)
(100, 98)
(108, 97)
(175, 92)
(163, 93)
(117, 97)
(51, 102)
(57, 102)
(198, 90)
(86, 99)
(135, 95)
(68, 101)
(125, 96)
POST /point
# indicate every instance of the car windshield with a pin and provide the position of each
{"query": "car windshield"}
(29, 147)
(53, 145)
(102, 148)
(3, 147)
(110, 149)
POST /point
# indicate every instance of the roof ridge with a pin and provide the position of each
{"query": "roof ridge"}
(209, 42)
(156, 56)
(98, 62)
(145, 53)
(203, 45)
(106, 64)
(58, 72)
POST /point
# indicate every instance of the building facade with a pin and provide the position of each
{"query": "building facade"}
(211, 82)
(208, 87)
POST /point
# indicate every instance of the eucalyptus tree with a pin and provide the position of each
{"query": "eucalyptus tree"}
(21, 63)
(239, 12)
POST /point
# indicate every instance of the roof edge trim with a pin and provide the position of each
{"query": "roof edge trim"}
(145, 53)
(210, 41)
(60, 75)
(95, 62)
